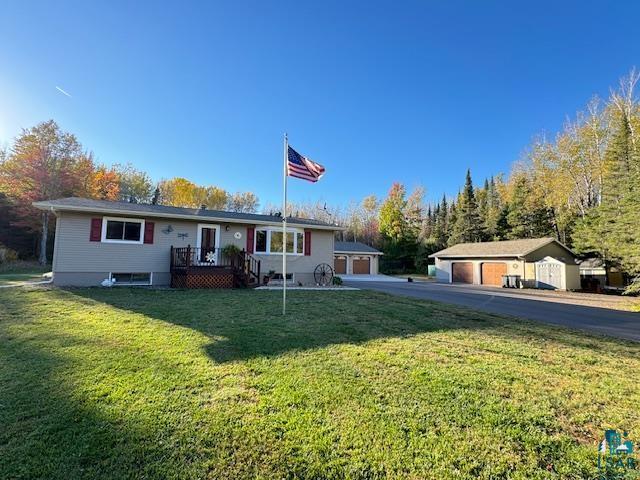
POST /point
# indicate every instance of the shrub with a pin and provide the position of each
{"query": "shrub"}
(337, 280)
(230, 250)
(7, 255)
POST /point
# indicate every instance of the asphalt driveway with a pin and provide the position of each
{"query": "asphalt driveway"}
(557, 310)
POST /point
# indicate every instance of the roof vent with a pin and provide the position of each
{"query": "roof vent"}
(203, 207)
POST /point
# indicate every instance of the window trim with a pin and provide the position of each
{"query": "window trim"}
(103, 235)
(269, 231)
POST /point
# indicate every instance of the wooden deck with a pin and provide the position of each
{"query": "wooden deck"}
(210, 268)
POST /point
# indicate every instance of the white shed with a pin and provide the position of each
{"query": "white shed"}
(553, 273)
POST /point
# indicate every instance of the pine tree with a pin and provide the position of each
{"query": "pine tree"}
(440, 233)
(468, 225)
(525, 217)
(495, 216)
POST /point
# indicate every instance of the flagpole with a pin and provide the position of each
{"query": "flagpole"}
(284, 227)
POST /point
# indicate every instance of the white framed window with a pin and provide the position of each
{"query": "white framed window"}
(268, 241)
(122, 230)
(131, 278)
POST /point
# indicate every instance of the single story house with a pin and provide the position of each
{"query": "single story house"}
(355, 258)
(539, 262)
(138, 244)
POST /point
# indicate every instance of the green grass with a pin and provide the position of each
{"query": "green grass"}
(123, 383)
(19, 272)
(19, 278)
(23, 266)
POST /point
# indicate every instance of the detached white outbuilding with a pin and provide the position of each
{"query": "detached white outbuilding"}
(556, 274)
(538, 262)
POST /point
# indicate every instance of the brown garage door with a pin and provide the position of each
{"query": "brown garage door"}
(340, 265)
(361, 266)
(462, 272)
(492, 273)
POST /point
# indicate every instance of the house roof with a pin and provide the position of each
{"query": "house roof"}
(355, 247)
(504, 248)
(591, 262)
(76, 204)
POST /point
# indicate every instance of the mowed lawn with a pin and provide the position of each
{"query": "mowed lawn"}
(124, 383)
(21, 272)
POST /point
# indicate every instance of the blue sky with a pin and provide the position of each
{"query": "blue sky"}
(414, 91)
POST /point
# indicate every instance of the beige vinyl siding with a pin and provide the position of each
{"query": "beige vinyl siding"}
(79, 261)
(302, 266)
(74, 252)
(550, 250)
(228, 237)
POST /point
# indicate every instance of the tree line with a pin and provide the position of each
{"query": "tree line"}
(581, 187)
(45, 162)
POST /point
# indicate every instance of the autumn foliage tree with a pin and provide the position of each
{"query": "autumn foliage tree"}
(43, 163)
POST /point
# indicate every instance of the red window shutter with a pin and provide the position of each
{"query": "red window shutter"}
(148, 231)
(95, 234)
(251, 232)
(307, 242)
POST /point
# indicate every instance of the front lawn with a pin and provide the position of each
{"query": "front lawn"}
(123, 383)
(20, 272)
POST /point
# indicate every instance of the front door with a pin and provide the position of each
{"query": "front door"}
(207, 244)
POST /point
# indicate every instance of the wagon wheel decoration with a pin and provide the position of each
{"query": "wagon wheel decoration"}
(323, 274)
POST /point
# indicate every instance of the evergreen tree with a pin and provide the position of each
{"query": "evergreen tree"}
(495, 215)
(440, 233)
(468, 225)
(525, 217)
(482, 196)
(452, 218)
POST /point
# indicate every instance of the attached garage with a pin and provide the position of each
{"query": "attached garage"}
(492, 272)
(362, 266)
(462, 272)
(355, 258)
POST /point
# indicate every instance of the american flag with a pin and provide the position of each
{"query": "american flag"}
(300, 166)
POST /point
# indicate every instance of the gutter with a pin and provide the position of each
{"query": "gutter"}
(515, 255)
(344, 252)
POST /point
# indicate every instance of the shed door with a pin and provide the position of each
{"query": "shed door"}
(340, 265)
(462, 272)
(549, 275)
(361, 266)
(492, 273)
